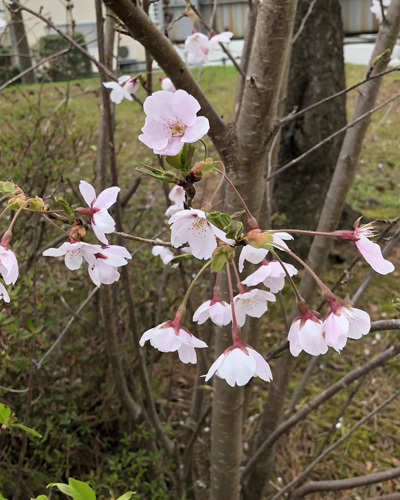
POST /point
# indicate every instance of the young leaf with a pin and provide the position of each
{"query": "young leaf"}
(28, 430)
(125, 496)
(40, 497)
(81, 490)
(62, 487)
(5, 413)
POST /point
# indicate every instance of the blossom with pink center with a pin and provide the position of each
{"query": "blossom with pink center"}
(167, 85)
(343, 322)
(371, 252)
(216, 309)
(171, 336)
(192, 227)
(74, 253)
(271, 274)
(238, 364)
(8, 265)
(257, 255)
(123, 89)
(306, 334)
(101, 220)
(164, 253)
(198, 47)
(103, 264)
(253, 303)
(172, 121)
(3, 293)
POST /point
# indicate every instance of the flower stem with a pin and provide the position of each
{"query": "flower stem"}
(236, 335)
(251, 220)
(327, 293)
(180, 313)
(208, 204)
(58, 227)
(205, 149)
(239, 284)
(299, 298)
(303, 231)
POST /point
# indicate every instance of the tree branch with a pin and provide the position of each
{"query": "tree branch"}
(319, 400)
(346, 484)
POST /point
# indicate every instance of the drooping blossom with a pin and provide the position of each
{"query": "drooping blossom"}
(257, 255)
(8, 265)
(271, 274)
(371, 252)
(101, 220)
(177, 195)
(164, 253)
(3, 293)
(192, 227)
(103, 265)
(306, 334)
(125, 87)
(74, 253)
(253, 303)
(167, 85)
(171, 120)
(216, 309)
(171, 336)
(238, 364)
(343, 322)
(198, 47)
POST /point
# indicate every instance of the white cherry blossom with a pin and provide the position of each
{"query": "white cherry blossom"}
(238, 364)
(253, 303)
(192, 227)
(123, 89)
(306, 334)
(271, 274)
(216, 309)
(101, 220)
(103, 265)
(171, 336)
(3, 293)
(74, 253)
(8, 265)
(167, 85)
(257, 255)
(164, 253)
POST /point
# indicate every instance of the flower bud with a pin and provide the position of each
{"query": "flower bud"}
(259, 239)
(38, 204)
(202, 169)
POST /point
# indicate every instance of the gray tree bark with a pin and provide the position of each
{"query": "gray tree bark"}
(19, 44)
(316, 72)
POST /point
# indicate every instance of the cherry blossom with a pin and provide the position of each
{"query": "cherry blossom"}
(167, 85)
(123, 89)
(164, 253)
(198, 47)
(253, 303)
(103, 264)
(238, 364)
(101, 220)
(371, 252)
(177, 195)
(306, 334)
(257, 255)
(171, 121)
(3, 293)
(271, 274)
(343, 322)
(216, 309)
(193, 227)
(171, 336)
(8, 265)
(74, 253)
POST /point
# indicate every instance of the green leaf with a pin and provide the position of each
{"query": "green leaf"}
(157, 173)
(7, 187)
(234, 230)
(219, 219)
(125, 496)
(5, 413)
(2, 498)
(81, 490)
(40, 497)
(220, 257)
(62, 487)
(183, 160)
(68, 211)
(28, 430)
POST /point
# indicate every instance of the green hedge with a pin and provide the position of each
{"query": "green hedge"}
(67, 66)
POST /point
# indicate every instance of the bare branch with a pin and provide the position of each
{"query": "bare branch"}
(346, 484)
(319, 400)
(307, 471)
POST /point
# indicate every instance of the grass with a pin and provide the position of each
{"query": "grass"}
(79, 390)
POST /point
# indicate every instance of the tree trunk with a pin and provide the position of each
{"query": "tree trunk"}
(316, 72)
(20, 47)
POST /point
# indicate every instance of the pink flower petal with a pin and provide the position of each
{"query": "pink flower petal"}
(187, 354)
(87, 191)
(372, 253)
(107, 197)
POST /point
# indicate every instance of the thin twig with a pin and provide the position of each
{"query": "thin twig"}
(307, 471)
(303, 21)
